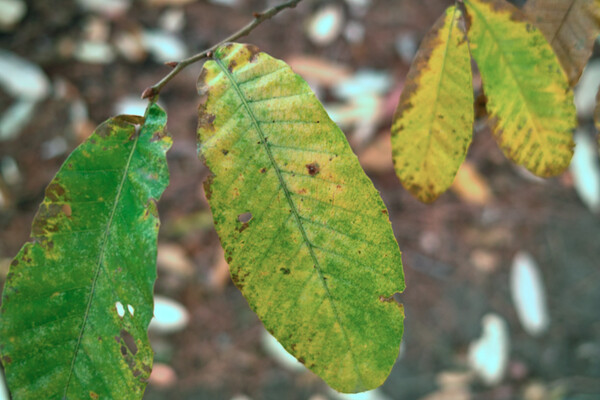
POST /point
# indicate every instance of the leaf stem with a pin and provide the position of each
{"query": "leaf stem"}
(152, 91)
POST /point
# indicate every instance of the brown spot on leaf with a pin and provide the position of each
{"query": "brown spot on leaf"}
(157, 136)
(55, 191)
(205, 119)
(313, 168)
(129, 341)
(243, 227)
(232, 65)
(225, 152)
(263, 170)
(94, 395)
(285, 271)
(207, 186)
(66, 209)
(253, 52)
(125, 120)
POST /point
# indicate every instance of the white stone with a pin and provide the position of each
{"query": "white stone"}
(227, 3)
(21, 78)
(278, 353)
(406, 46)
(15, 118)
(326, 24)
(586, 89)
(528, 295)
(94, 52)
(109, 8)
(11, 13)
(169, 316)
(54, 147)
(131, 105)
(163, 46)
(375, 394)
(10, 171)
(172, 20)
(365, 81)
(3, 389)
(585, 170)
(488, 355)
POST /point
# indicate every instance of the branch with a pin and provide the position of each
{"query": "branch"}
(153, 91)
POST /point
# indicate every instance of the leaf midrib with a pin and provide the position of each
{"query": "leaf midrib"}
(426, 165)
(513, 75)
(292, 205)
(99, 263)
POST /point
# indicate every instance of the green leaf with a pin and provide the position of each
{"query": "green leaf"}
(571, 27)
(306, 235)
(78, 297)
(433, 124)
(529, 100)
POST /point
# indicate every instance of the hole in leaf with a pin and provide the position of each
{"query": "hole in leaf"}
(120, 309)
(131, 309)
(129, 341)
(245, 217)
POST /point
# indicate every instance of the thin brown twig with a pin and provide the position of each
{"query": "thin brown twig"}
(152, 91)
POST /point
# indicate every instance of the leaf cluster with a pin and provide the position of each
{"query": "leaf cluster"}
(306, 235)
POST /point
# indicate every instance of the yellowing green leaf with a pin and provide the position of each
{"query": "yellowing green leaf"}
(78, 297)
(571, 27)
(529, 100)
(305, 233)
(433, 124)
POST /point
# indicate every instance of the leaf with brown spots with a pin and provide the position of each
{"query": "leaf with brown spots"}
(66, 328)
(433, 124)
(317, 252)
(571, 27)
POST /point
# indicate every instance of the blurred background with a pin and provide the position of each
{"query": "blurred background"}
(502, 272)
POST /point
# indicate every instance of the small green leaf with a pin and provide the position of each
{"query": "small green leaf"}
(306, 235)
(433, 124)
(529, 100)
(78, 297)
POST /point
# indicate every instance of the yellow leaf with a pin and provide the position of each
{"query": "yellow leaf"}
(306, 235)
(434, 121)
(529, 100)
